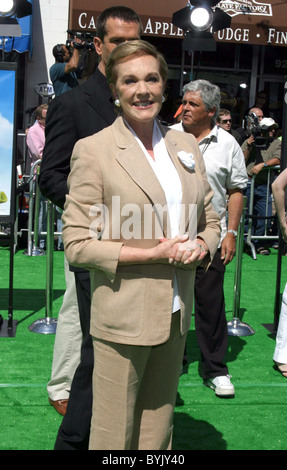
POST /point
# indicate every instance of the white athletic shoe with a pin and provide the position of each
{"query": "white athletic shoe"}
(221, 385)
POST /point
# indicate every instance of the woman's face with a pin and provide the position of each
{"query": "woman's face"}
(139, 87)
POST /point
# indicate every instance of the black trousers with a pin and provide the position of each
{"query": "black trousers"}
(74, 431)
(210, 319)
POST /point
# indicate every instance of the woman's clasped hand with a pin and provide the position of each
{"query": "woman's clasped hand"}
(183, 252)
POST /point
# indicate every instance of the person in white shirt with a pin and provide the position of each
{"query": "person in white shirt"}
(280, 352)
(227, 176)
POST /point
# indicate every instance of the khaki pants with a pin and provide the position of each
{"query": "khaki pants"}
(134, 393)
(68, 342)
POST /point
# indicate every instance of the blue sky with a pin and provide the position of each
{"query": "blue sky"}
(7, 92)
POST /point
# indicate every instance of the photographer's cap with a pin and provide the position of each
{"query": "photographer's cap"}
(268, 122)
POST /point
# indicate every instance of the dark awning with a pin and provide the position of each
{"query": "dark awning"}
(24, 42)
(253, 22)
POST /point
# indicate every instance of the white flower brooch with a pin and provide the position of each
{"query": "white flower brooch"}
(187, 160)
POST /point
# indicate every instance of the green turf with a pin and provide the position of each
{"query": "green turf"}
(255, 419)
(28, 422)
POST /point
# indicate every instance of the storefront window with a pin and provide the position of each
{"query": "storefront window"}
(218, 67)
(275, 61)
(245, 56)
(223, 57)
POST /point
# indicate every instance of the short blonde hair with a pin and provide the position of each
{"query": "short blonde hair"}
(135, 48)
(40, 109)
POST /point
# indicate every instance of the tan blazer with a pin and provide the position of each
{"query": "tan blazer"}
(109, 171)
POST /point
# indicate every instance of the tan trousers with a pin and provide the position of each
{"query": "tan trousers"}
(134, 390)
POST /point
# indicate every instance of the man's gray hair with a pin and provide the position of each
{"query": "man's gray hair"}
(210, 94)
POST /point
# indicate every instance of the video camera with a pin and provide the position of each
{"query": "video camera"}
(260, 133)
(86, 40)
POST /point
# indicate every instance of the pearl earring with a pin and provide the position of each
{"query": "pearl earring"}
(163, 99)
(117, 103)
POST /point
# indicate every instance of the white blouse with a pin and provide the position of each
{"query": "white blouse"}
(169, 180)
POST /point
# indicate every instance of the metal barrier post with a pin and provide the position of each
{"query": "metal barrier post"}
(36, 251)
(249, 236)
(236, 327)
(31, 181)
(48, 324)
(30, 219)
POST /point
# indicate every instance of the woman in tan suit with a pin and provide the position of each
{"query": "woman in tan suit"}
(139, 217)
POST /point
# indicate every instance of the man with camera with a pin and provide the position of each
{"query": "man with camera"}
(244, 131)
(65, 72)
(261, 150)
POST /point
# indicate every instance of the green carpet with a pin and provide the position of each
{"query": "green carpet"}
(254, 420)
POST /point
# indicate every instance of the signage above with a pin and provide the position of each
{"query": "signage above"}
(253, 22)
(245, 7)
(44, 89)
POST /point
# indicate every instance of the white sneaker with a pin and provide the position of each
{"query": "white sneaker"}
(221, 385)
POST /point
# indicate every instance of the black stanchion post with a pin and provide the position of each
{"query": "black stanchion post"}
(8, 327)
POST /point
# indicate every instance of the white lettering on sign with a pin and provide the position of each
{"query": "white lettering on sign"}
(83, 17)
(277, 37)
(157, 28)
(238, 34)
(250, 7)
(163, 29)
(83, 22)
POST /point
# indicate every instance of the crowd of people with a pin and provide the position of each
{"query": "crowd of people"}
(132, 282)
